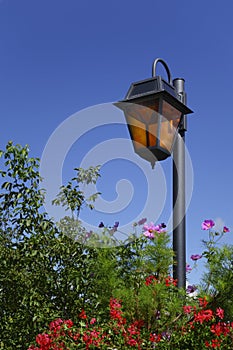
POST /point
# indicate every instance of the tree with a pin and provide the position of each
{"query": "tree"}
(44, 273)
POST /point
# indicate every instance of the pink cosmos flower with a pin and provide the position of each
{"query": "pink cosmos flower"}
(191, 289)
(188, 268)
(207, 224)
(88, 234)
(115, 226)
(142, 221)
(226, 229)
(149, 230)
(149, 234)
(195, 257)
(160, 228)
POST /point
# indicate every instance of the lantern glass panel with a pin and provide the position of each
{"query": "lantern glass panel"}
(137, 132)
(169, 126)
(143, 124)
(143, 111)
(153, 131)
(169, 112)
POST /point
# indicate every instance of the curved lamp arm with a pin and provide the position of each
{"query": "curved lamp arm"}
(157, 60)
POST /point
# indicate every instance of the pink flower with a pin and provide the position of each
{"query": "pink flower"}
(195, 257)
(160, 228)
(88, 234)
(191, 289)
(188, 268)
(226, 229)
(115, 226)
(149, 234)
(142, 221)
(207, 224)
(151, 229)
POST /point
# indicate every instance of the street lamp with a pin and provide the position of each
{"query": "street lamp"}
(155, 112)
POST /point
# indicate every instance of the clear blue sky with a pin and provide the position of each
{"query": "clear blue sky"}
(61, 56)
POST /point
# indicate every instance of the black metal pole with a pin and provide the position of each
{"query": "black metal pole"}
(179, 208)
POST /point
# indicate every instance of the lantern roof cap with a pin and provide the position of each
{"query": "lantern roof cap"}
(155, 87)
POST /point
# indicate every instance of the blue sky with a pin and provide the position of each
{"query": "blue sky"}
(61, 56)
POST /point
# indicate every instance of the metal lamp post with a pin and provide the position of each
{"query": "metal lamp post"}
(155, 111)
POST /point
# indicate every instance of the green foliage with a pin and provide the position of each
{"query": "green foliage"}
(54, 270)
(138, 260)
(188, 332)
(20, 198)
(43, 272)
(218, 280)
(47, 270)
(71, 197)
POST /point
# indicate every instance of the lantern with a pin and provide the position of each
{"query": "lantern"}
(154, 113)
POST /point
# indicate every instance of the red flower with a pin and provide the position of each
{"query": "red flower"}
(215, 343)
(43, 340)
(150, 279)
(203, 302)
(155, 338)
(115, 309)
(83, 315)
(169, 281)
(220, 313)
(132, 342)
(87, 338)
(216, 329)
(93, 320)
(187, 309)
(203, 315)
(56, 324)
(220, 328)
(76, 336)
